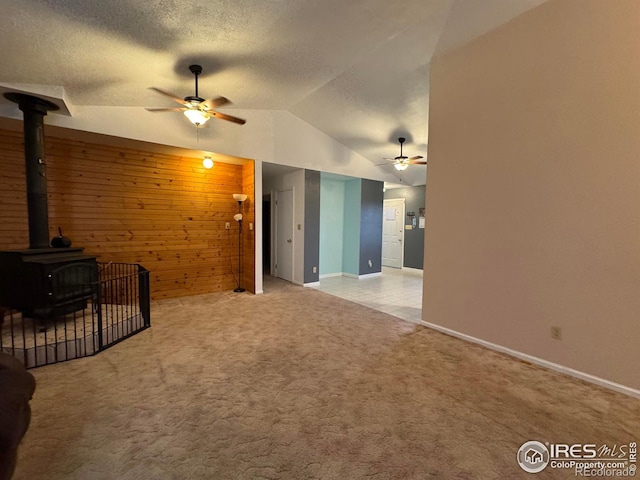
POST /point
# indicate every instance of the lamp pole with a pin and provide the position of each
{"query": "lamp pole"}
(240, 197)
(239, 288)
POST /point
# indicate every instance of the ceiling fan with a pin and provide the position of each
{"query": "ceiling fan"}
(401, 162)
(198, 110)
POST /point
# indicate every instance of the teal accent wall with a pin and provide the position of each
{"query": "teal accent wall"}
(351, 235)
(332, 201)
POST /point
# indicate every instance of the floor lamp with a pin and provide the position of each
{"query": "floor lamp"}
(239, 197)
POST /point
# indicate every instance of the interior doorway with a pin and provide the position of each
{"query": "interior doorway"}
(283, 266)
(393, 233)
(266, 234)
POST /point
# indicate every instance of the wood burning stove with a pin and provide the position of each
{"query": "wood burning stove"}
(47, 282)
(41, 281)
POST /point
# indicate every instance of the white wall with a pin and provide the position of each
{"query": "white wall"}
(258, 227)
(533, 196)
(273, 136)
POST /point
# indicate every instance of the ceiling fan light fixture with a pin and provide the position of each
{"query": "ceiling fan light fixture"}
(197, 110)
(400, 166)
(196, 116)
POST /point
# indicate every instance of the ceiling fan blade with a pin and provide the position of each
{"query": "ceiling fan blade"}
(168, 94)
(417, 162)
(211, 103)
(222, 116)
(417, 157)
(156, 110)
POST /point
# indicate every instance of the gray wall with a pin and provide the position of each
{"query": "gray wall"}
(311, 226)
(413, 239)
(371, 207)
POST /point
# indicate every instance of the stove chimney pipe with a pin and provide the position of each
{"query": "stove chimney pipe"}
(34, 110)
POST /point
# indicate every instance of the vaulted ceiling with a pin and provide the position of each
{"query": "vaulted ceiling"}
(357, 70)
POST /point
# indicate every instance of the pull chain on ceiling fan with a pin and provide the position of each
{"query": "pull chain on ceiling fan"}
(401, 162)
(198, 110)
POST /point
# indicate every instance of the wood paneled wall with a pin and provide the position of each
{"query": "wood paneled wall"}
(133, 205)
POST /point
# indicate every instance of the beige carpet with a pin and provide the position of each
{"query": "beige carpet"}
(297, 384)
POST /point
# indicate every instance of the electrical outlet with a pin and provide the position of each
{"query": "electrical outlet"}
(556, 333)
(227, 226)
(315, 269)
(370, 264)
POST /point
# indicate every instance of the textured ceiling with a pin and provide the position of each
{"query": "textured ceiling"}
(357, 70)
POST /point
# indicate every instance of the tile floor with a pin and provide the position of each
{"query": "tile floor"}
(397, 292)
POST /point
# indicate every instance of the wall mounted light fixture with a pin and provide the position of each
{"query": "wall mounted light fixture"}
(207, 162)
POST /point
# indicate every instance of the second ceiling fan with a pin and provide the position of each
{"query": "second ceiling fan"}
(198, 110)
(401, 162)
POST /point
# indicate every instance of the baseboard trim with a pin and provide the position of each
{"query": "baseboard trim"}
(329, 275)
(413, 270)
(360, 277)
(632, 392)
(369, 275)
(311, 284)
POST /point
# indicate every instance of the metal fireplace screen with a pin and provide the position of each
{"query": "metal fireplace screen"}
(91, 314)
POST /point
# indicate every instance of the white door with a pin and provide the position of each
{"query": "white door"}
(393, 232)
(284, 235)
